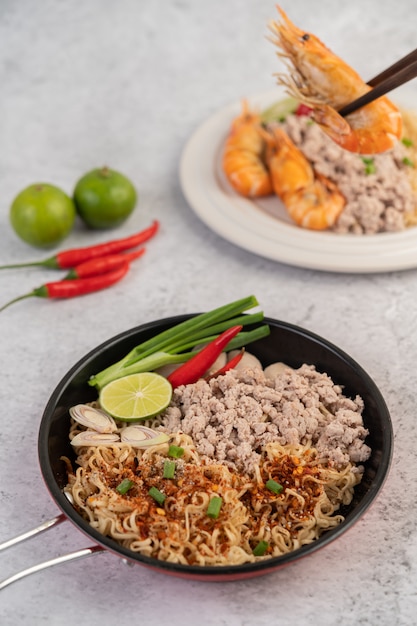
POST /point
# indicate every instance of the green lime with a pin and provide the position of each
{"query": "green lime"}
(104, 198)
(136, 397)
(42, 215)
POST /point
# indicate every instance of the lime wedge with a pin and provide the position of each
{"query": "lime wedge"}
(278, 111)
(136, 397)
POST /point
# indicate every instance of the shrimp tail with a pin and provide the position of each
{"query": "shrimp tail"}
(336, 127)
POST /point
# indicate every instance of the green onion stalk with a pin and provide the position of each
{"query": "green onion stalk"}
(178, 344)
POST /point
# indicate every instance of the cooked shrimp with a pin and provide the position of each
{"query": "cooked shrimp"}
(324, 82)
(243, 157)
(311, 199)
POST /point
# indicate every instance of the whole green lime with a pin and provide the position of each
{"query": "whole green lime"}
(104, 198)
(42, 215)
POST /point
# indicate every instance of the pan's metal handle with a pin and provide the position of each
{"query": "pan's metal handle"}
(35, 531)
(72, 556)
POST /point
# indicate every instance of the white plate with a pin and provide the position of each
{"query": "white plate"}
(262, 227)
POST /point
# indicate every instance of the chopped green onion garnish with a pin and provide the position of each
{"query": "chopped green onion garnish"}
(175, 451)
(124, 486)
(408, 161)
(407, 142)
(370, 167)
(261, 548)
(272, 485)
(214, 507)
(169, 469)
(157, 495)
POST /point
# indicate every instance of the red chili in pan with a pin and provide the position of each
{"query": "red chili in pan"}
(71, 258)
(227, 366)
(103, 264)
(76, 287)
(195, 368)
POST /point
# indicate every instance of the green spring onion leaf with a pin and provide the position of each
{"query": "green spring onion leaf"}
(408, 162)
(124, 486)
(261, 548)
(175, 345)
(214, 507)
(272, 485)
(169, 469)
(157, 495)
(407, 142)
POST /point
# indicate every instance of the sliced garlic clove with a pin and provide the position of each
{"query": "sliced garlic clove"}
(93, 438)
(248, 361)
(93, 418)
(275, 369)
(218, 364)
(142, 437)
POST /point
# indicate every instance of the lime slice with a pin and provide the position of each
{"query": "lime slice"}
(136, 397)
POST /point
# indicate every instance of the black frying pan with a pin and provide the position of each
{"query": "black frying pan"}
(287, 343)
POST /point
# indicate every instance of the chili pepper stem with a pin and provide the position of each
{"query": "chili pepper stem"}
(45, 263)
(27, 295)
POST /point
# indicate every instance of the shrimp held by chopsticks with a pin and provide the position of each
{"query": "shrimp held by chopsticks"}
(312, 200)
(243, 156)
(324, 82)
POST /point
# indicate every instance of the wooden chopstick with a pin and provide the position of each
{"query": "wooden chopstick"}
(392, 69)
(394, 76)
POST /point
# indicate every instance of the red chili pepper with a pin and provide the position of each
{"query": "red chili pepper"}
(76, 287)
(303, 109)
(71, 258)
(194, 369)
(228, 366)
(102, 264)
